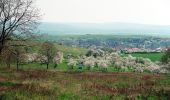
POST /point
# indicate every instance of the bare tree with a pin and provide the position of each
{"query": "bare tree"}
(47, 50)
(12, 52)
(8, 56)
(17, 18)
(18, 51)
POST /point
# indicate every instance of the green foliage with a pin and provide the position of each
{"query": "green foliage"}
(7, 84)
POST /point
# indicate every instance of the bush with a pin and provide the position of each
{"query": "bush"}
(166, 57)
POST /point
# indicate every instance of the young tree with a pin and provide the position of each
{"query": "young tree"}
(18, 48)
(17, 18)
(48, 50)
(18, 51)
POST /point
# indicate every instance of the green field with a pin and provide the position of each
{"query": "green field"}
(71, 50)
(152, 56)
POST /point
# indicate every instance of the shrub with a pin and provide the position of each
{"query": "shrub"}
(58, 58)
(166, 57)
(71, 63)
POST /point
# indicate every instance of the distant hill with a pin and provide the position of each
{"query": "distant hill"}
(103, 28)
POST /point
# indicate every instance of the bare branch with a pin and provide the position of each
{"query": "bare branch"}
(17, 17)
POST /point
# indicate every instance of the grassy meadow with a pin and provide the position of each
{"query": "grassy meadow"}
(75, 85)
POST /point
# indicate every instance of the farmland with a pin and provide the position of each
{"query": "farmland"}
(152, 56)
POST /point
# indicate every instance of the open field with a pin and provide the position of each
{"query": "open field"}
(151, 56)
(72, 85)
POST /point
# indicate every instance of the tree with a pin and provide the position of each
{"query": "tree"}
(8, 56)
(12, 52)
(166, 56)
(48, 50)
(58, 58)
(18, 51)
(18, 18)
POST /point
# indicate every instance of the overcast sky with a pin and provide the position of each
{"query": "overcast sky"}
(100, 11)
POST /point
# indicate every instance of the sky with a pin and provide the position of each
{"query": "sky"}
(155, 12)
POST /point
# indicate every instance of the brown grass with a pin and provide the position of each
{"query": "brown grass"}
(85, 83)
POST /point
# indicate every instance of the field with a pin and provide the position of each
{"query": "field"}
(71, 50)
(73, 85)
(152, 56)
(75, 51)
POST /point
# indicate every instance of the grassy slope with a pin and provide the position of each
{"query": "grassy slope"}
(78, 51)
(65, 49)
(55, 85)
(71, 50)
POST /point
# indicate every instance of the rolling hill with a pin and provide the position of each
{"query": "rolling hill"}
(103, 28)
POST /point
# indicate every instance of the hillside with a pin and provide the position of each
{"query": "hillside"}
(35, 46)
(111, 41)
(103, 28)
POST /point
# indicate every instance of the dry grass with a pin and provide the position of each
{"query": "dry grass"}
(85, 85)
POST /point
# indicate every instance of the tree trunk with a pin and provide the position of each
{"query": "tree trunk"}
(1, 47)
(17, 60)
(47, 65)
(8, 65)
(56, 65)
(17, 64)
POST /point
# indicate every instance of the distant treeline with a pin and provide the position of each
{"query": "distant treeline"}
(113, 41)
